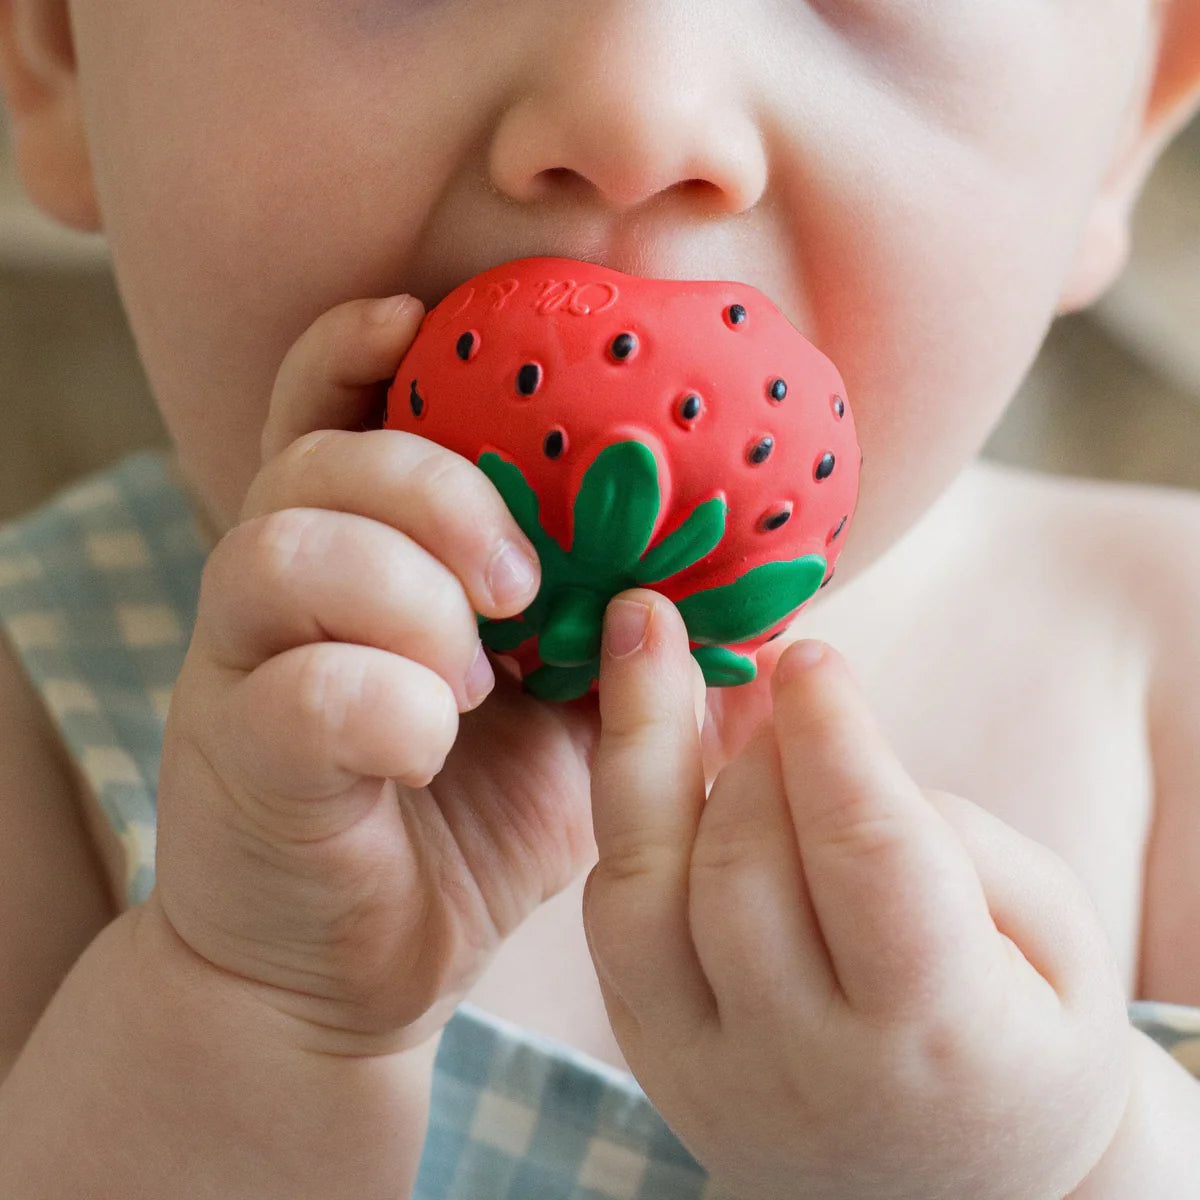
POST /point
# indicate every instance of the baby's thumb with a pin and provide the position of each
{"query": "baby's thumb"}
(647, 794)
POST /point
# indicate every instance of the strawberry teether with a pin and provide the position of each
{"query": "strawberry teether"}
(644, 433)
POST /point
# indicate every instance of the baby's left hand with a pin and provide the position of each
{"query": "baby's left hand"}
(830, 983)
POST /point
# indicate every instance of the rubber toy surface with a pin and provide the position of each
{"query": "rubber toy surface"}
(679, 436)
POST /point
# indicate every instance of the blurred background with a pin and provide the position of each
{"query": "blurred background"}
(1115, 393)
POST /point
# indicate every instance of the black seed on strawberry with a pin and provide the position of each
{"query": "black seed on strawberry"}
(839, 407)
(760, 451)
(624, 346)
(827, 580)
(415, 400)
(778, 390)
(776, 518)
(833, 537)
(824, 467)
(529, 379)
(735, 315)
(777, 634)
(689, 409)
(466, 346)
(555, 444)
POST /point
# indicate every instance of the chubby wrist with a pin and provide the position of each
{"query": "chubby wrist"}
(292, 1022)
(1152, 1152)
(169, 1078)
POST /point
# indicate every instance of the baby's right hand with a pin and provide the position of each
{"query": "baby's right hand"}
(329, 832)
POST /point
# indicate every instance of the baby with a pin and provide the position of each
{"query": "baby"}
(873, 926)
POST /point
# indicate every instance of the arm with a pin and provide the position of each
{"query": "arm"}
(164, 1077)
(54, 896)
(1154, 1150)
(1170, 949)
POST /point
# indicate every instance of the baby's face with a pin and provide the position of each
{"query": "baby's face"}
(907, 180)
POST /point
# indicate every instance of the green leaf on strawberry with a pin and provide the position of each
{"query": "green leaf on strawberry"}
(696, 538)
(617, 508)
(759, 599)
(723, 667)
(521, 499)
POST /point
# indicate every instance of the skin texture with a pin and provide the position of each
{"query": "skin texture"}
(920, 188)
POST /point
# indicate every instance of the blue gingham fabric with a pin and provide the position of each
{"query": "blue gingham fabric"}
(98, 594)
(516, 1116)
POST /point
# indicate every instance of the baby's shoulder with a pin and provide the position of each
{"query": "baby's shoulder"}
(1134, 547)
(1143, 545)
(1129, 555)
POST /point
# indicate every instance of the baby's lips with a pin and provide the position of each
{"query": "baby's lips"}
(681, 435)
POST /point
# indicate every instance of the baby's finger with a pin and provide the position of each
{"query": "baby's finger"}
(439, 499)
(647, 793)
(752, 920)
(898, 899)
(310, 723)
(1036, 901)
(309, 575)
(330, 377)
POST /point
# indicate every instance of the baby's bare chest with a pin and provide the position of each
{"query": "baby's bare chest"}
(1039, 717)
(1029, 709)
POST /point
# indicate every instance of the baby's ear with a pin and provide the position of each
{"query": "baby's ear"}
(40, 88)
(1173, 96)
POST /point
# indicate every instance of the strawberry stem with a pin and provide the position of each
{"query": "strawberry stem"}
(561, 684)
(614, 520)
(570, 636)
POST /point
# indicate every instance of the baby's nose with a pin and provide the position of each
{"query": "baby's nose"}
(624, 101)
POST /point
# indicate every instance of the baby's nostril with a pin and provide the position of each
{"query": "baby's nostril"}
(559, 179)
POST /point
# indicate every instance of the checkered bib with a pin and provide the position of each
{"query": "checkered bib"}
(98, 595)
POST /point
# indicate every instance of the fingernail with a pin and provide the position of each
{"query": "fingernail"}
(510, 575)
(625, 627)
(797, 658)
(480, 679)
(383, 312)
(808, 653)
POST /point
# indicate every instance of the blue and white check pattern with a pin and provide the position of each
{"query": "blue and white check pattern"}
(98, 595)
(520, 1117)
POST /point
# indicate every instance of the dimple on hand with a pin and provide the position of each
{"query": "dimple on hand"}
(831, 983)
(332, 831)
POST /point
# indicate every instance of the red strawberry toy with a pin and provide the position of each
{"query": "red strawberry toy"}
(644, 433)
